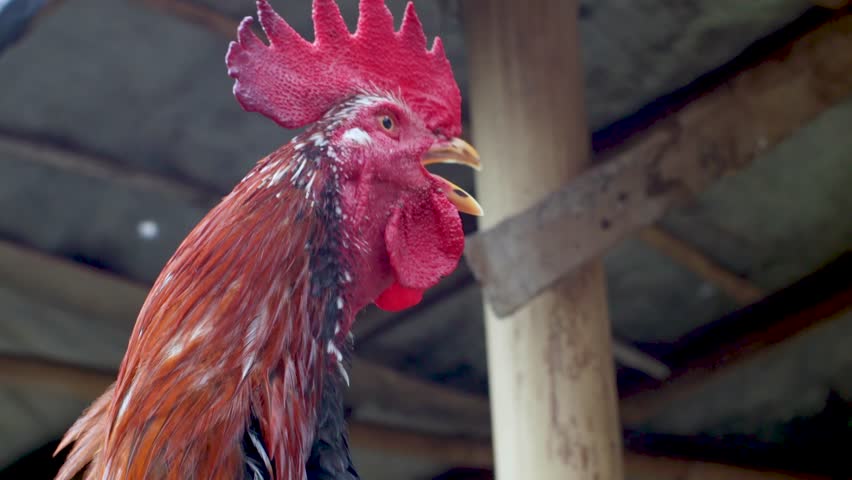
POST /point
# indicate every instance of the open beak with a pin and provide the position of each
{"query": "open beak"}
(457, 151)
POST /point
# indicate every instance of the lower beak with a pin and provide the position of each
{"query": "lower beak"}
(457, 151)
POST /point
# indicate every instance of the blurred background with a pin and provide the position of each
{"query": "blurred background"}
(731, 315)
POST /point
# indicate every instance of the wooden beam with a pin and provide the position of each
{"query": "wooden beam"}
(629, 356)
(428, 405)
(716, 349)
(70, 285)
(81, 381)
(107, 169)
(740, 289)
(551, 374)
(717, 134)
(475, 453)
(450, 450)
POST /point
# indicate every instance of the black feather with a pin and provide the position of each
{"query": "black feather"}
(330, 458)
(255, 467)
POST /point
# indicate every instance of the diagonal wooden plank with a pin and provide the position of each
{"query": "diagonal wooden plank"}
(738, 288)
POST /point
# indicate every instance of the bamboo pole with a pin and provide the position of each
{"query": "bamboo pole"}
(551, 373)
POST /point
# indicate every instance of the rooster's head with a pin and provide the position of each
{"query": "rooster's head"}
(377, 106)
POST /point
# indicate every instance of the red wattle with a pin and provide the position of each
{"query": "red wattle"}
(396, 298)
(425, 241)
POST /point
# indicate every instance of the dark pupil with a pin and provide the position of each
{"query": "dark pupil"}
(387, 123)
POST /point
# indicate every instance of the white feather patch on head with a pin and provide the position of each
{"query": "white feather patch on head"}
(357, 135)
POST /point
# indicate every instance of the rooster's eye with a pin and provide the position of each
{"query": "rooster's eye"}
(387, 122)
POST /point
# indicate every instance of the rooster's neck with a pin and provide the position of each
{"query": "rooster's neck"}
(255, 306)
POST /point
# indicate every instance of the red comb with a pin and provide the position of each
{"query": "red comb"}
(295, 82)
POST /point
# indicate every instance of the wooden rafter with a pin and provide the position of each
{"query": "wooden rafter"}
(103, 168)
(81, 381)
(738, 288)
(743, 336)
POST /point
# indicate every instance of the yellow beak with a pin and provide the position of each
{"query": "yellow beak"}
(457, 151)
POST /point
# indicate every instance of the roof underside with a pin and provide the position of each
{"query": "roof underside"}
(146, 91)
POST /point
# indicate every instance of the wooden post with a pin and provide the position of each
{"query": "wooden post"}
(551, 372)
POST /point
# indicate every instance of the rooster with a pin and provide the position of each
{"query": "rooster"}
(237, 362)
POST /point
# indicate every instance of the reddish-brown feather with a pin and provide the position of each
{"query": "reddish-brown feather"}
(193, 374)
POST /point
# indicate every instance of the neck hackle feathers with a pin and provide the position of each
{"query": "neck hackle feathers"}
(294, 82)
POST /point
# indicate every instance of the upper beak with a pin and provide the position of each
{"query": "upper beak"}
(455, 150)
